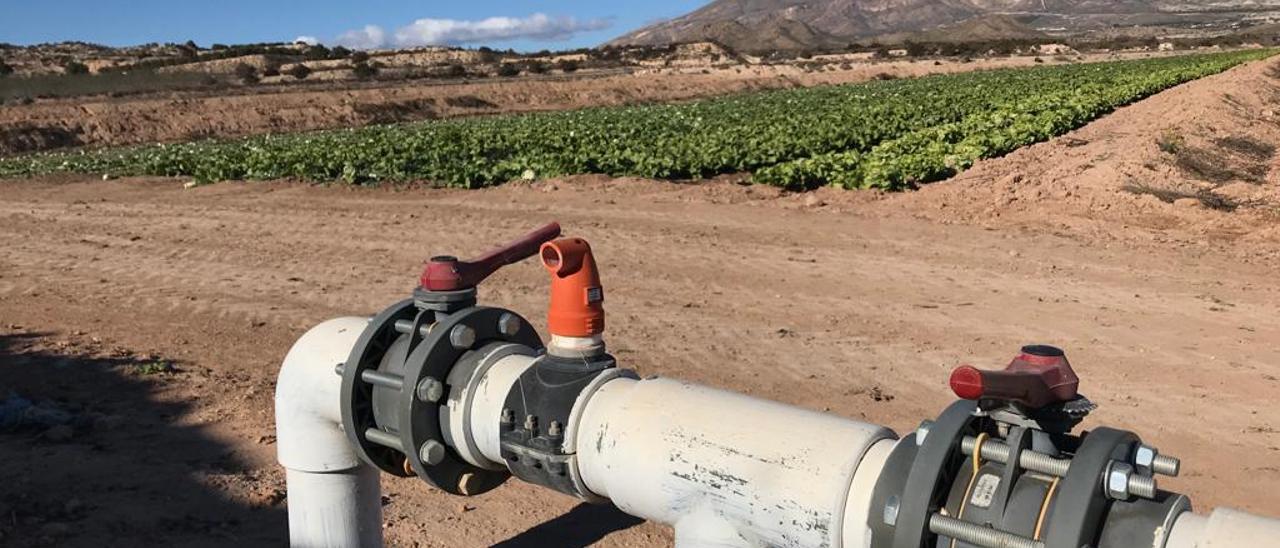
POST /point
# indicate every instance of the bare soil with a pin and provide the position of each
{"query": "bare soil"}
(858, 304)
(181, 116)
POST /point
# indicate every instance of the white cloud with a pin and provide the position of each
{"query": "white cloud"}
(308, 40)
(538, 26)
(453, 32)
(369, 37)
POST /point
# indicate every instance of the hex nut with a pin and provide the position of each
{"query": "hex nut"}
(923, 432)
(1118, 475)
(431, 452)
(1144, 457)
(467, 484)
(430, 390)
(462, 337)
(508, 324)
(891, 510)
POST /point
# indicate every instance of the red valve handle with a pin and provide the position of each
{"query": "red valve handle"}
(446, 273)
(1038, 377)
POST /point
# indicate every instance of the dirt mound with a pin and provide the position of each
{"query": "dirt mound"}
(1195, 165)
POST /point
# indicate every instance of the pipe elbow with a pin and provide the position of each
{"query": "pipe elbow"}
(309, 435)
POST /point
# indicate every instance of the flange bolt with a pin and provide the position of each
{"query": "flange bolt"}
(531, 423)
(430, 390)
(508, 324)
(1143, 457)
(1149, 461)
(1123, 482)
(1118, 475)
(431, 452)
(462, 337)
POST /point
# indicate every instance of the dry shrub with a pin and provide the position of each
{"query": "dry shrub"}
(403, 111)
(1213, 166)
(1249, 148)
(1169, 196)
(468, 101)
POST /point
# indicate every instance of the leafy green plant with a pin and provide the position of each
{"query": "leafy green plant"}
(889, 134)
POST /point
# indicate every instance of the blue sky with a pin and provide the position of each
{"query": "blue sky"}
(567, 23)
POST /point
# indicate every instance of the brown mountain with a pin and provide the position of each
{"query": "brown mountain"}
(755, 25)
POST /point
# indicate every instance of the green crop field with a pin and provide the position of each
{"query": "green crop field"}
(886, 134)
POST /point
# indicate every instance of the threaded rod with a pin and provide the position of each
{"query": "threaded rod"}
(1166, 466)
(376, 378)
(385, 439)
(405, 326)
(977, 535)
(1036, 462)
(1142, 486)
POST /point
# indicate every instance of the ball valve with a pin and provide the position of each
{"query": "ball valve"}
(410, 382)
(397, 380)
(1001, 468)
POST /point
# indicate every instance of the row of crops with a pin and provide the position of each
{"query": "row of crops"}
(887, 134)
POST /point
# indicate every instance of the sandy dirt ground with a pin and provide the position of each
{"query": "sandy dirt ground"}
(858, 304)
(172, 117)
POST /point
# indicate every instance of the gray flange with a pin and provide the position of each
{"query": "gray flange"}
(357, 396)
(390, 424)
(420, 430)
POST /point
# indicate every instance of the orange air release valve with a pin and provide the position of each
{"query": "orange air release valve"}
(577, 298)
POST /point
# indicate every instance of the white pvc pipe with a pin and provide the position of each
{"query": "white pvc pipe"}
(333, 497)
(489, 398)
(856, 532)
(724, 468)
(1224, 528)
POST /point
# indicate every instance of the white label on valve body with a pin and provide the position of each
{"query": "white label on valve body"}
(984, 490)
